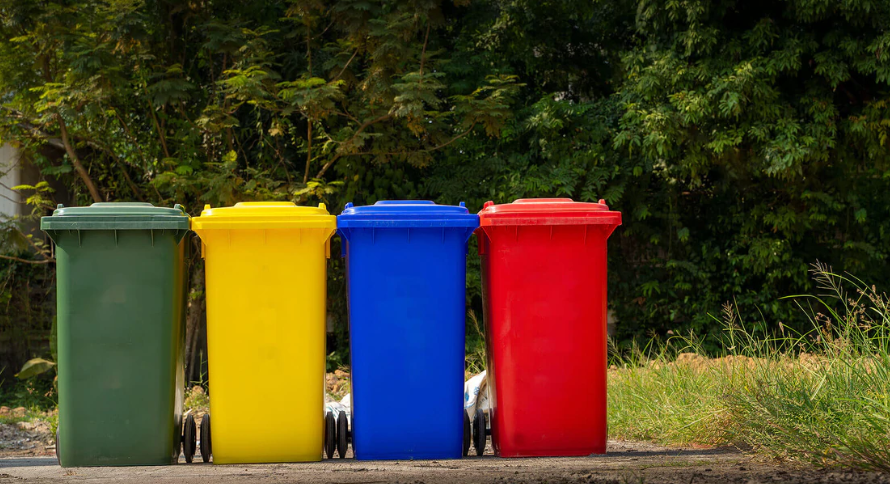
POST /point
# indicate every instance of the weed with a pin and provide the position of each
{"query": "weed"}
(30, 415)
(197, 400)
(38, 393)
(336, 360)
(475, 349)
(821, 397)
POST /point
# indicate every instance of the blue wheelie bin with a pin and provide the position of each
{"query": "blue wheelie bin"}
(406, 270)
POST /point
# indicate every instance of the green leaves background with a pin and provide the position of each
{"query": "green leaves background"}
(741, 140)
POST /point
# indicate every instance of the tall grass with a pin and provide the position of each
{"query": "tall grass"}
(475, 360)
(821, 397)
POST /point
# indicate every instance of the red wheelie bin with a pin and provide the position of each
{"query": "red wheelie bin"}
(544, 297)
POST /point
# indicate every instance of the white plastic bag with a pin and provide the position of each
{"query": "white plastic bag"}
(344, 405)
(476, 395)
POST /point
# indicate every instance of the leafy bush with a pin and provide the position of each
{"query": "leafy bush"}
(741, 140)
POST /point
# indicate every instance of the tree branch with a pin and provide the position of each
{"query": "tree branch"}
(308, 119)
(423, 52)
(78, 166)
(130, 134)
(425, 150)
(350, 140)
(345, 66)
(308, 151)
(347, 115)
(26, 261)
(325, 29)
(154, 118)
(31, 126)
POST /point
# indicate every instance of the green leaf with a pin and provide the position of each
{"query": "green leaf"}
(860, 215)
(34, 367)
(683, 234)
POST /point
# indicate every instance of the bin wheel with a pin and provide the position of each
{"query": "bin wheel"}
(58, 455)
(189, 439)
(206, 450)
(342, 434)
(467, 432)
(330, 435)
(479, 432)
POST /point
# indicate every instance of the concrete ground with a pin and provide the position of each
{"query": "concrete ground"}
(626, 462)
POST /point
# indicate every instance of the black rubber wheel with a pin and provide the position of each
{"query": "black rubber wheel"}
(330, 435)
(206, 450)
(58, 455)
(189, 439)
(467, 431)
(342, 434)
(479, 432)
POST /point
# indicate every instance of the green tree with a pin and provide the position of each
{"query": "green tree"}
(741, 140)
(220, 102)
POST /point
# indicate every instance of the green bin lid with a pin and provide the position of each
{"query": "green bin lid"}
(116, 216)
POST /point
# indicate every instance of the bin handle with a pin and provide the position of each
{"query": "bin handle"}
(343, 239)
(482, 240)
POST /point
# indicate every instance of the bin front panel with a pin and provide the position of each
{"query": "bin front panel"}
(406, 271)
(120, 346)
(406, 321)
(266, 299)
(544, 299)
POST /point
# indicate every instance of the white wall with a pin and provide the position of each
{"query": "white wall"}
(9, 166)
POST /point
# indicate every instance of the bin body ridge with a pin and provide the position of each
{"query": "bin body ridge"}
(121, 284)
(545, 303)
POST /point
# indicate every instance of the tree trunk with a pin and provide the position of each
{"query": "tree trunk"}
(196, 310)
(78, 167)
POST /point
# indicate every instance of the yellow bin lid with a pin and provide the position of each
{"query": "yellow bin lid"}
(265, 215)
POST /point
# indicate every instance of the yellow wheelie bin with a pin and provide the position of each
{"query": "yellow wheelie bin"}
(265, 268)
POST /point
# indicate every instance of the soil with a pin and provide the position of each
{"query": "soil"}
(625, 463)
(33, 437)
(337, 384)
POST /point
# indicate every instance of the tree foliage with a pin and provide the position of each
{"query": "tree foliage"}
(741, 140)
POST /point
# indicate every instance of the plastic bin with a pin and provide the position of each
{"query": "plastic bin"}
(121, 306)
(544, 298)
(265, 267)
(406, 271)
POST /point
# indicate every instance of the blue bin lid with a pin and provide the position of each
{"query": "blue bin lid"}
(406, 214)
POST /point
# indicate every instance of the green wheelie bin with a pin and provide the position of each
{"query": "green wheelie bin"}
(121, 288)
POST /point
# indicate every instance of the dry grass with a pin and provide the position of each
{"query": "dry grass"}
(821, 397)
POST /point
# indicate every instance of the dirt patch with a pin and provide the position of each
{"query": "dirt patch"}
(27, 438)
(697, 362)
(337, 384)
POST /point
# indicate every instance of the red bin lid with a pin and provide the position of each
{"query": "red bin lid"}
(548, 211)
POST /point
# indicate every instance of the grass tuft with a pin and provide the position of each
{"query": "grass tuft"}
(821, 397)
